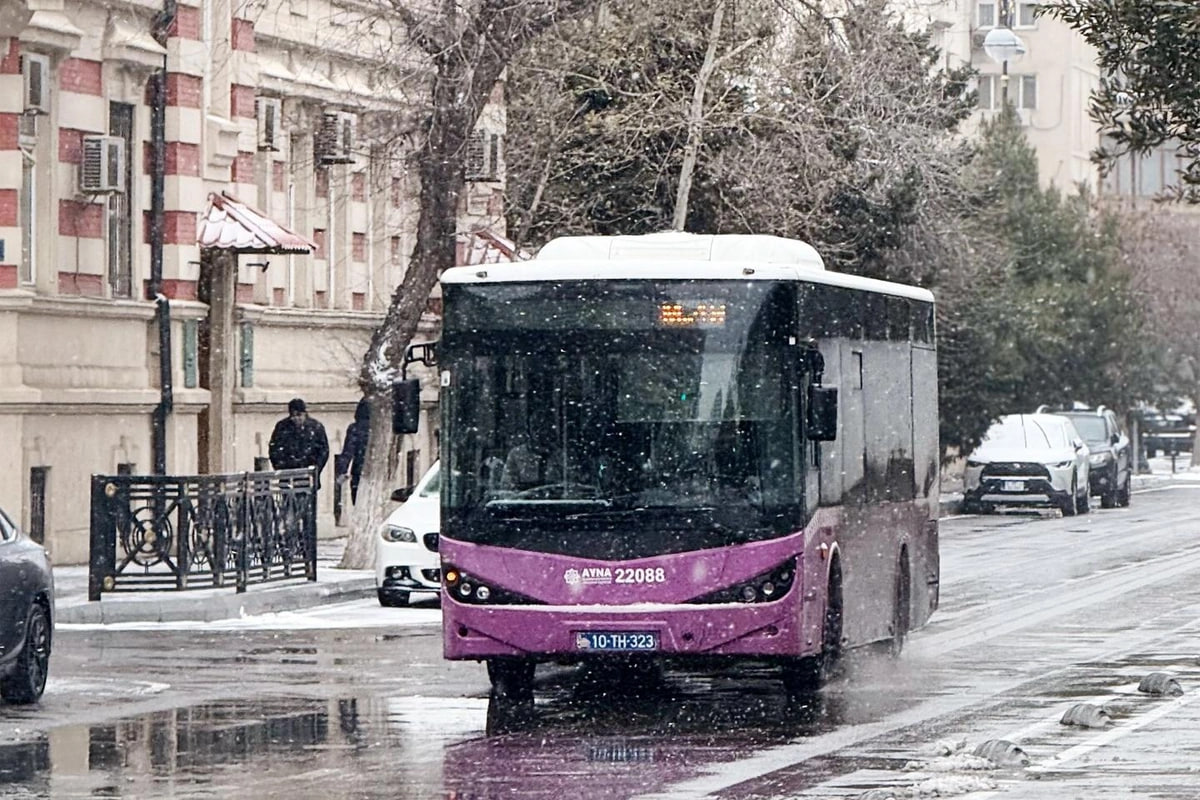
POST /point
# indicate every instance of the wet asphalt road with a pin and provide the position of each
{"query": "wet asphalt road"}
(1038, 613)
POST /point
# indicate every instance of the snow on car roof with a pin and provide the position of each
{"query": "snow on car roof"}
(677, 256)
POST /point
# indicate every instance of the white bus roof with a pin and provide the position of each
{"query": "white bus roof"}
(676, 256)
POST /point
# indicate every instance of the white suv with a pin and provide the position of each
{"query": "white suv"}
(1029, 460)
(406, 558)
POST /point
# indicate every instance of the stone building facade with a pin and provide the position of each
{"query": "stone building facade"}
(274, 103)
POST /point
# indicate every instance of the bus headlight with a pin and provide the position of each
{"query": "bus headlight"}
(763, 588)
(397, 533)
(470, 589)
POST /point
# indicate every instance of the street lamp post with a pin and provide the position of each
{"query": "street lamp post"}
(1003, 46)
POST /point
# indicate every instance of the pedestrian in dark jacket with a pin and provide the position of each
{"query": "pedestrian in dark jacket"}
(354, 449)
(299, 441)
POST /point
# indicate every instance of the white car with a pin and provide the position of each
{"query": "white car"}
(1030, 460)
(406, 559)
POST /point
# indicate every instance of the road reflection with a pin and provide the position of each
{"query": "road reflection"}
(607, 734)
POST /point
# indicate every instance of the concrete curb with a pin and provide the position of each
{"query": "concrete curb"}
(179, 607)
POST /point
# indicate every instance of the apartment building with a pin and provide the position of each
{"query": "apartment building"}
(278, 109)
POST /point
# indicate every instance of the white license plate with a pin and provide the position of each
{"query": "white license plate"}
(616, 641)
(1014, 486)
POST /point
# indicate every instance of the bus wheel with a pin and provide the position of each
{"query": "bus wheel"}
(901, 611)
(805, 675)
(512, 679)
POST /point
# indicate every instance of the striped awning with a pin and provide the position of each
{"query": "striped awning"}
(230, 224)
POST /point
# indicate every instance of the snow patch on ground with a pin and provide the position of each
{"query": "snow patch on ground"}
(959, 762)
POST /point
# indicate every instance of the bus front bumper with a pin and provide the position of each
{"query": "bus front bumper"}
(576, 632)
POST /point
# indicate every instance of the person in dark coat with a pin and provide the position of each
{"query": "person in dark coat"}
(354, 449)
(299, 441)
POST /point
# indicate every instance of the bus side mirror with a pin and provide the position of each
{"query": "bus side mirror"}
(406, 406)
(821, 425)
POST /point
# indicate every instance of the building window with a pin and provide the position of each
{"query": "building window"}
(120, 210)
(986, 15)
(1026, 15)
(482, 161)
(1028, 92)
(1022, 92)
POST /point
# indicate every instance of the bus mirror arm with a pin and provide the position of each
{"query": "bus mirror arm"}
(821, 423)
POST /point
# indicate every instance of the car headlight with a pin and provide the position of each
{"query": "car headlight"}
(1062, 464)
(974, 464)
(397, 533)
(1098, 459)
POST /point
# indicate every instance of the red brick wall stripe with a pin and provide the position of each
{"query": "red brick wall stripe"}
(358, 186)
(81, 76)
(244, 293)
(242, 35)
(8, 208)
(70, 145)
(80, 283)
(279, 170)
(186, 24)
(358, 301)
(183, 90)
(277, 296)
(8, 276)
(243, 168)
(178, 289)
(80, 218)
(8, 131)
(179, 158)
(241, 101)
(179, 227)
(10, 62)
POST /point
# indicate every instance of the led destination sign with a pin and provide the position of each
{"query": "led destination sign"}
(691, 314)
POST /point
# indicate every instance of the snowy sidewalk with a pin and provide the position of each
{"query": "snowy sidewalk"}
(205, 605)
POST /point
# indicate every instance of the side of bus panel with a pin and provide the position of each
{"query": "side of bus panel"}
(882, 468)
(926, 562)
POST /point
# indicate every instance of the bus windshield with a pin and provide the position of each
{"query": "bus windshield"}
(595, 403)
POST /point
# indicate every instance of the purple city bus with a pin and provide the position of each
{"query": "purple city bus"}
(684, 447)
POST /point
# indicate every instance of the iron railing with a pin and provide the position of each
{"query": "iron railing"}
(170, 532)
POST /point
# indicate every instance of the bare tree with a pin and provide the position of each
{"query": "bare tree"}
(1161, 247)
(469, 46)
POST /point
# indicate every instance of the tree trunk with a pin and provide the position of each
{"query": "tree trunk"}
(691, 149)
(466, 70)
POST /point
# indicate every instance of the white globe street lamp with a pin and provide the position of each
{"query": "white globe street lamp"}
(1003, 46)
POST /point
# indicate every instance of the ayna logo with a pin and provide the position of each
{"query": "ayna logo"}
(588, 576)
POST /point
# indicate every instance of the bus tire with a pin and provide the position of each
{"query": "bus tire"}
(512, 679)
(806, 675)
(902, 609)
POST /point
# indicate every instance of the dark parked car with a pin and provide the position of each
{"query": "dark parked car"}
(26, 614)
(1111, 456)
(1168, 433)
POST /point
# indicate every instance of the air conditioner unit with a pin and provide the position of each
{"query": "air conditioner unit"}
(270, 113)
(103, 168)
(335, 139)
(35, 70)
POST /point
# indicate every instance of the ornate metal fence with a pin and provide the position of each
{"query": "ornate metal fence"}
(159, 533)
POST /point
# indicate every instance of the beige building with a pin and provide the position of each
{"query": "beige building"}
(277, 104)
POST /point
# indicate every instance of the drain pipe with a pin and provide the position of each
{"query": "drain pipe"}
(162, 306)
